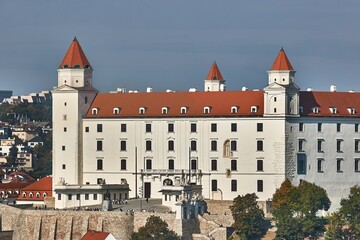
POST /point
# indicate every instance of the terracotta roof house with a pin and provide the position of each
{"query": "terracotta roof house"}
(12, 189)
(95, 235)
(36, 192)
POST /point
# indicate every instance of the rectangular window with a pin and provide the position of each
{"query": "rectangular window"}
(259, 127)
(319, 127)
(63, 148)
(170, 127)
(301, 164)
(260, 166)
(260, 185)
(99, 145)
(338, 165)
(59, 196)
(78, 196)
(233, 165)
(213, 145)
(301, 145)
(171, 164)
(95, 196)
(356, 166)
(123, 164)
(123, 127)
(301, 127)
(65, 129)
(338, 127)
(320, 165)
(70, 196)
(99, 128)
(148, 145)
(356, 127)
(193, 164)
(213, 127)
(86, 196)
(148, 127)
(319, 145)
(122, 145)
(338, 145)
(170, 145)
(64, 117)
(233, 185)
(193, 145)
(193, 127)
(63, 166)
(234, 127)
(259, 145)
(86, 129)
(233, 145)
(213, 165)
(148, 164)
(214, 185)
(357, 145)
(99, 164)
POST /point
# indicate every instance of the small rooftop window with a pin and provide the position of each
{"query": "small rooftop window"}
(165, 110)
(116, 111)
(183, 110)
(333, 110)
(315, 110)
(142, 110)
(207, 110)
(77, 66)
(95, 111)
(351, 110)
(254, 109)
(234, 109)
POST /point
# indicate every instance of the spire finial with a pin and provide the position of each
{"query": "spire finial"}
(74, 39)
(282, 49)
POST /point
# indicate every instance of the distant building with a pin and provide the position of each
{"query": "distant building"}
(230, 142)
(24, 160)
(97, 235)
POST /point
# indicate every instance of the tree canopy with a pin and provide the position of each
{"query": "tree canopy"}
(295, 208)
(155, 229)
(249, 222)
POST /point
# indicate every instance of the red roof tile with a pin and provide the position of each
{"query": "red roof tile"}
(44, 185)
(75, 57)
(325, 100)
(214, 73)
(95, 235)
(219, 102)
(6, 186)
(282, 62)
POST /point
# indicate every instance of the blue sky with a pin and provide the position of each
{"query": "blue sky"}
(171, 44)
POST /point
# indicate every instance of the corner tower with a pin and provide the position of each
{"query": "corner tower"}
(71, 100)
(282, 94)
(214, 81)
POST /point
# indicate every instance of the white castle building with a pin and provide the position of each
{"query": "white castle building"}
(231, 142)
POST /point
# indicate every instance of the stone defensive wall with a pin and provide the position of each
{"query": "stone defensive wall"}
(58, 224)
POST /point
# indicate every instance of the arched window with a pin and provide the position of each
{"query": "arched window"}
(116, 111)
(24, 195)
(37, 195)
(227, 149)
(234, 109)
(183, 110)
(45, 195)
(206, 110)
(95, 111)
(142, 110)
(31, 195)
(164, 110)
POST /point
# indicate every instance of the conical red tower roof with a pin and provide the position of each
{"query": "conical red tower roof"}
(282, 62)
(214, 73)
(75, 57)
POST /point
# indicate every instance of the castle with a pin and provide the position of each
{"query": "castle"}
(230, 142)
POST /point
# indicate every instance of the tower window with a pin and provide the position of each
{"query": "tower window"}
(99, 145)
(301, 127)
(233, 165)
(193, 145)
(259, 165)
(148, 127)
(260, 185)
(214, 185)
(99, 165)
(233, 145)
(338, 145)
(319, 127)
(123, 164)
(233, 185)
(193, 127)
(148, 164)
(148, 145)
(123, 127)
(301, 164)
(214, 165)
(356, 166)
(213, 127)
(338, 165)
(99, 127)
(213, 145)
(170, 145)
(259, 145)
(275, 99)
(259, 127)
(122, 145)
(170, 127)
(193, 164)
(233, 127)
(171, 164)
(320, 165)
(338, 127)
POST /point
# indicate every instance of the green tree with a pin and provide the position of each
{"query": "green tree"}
(346, 222)
(11, 158)
(295, 208)
(42, 155)
(249, 222)
(155, 229)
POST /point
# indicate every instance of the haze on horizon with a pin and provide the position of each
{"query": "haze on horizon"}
(171, 44)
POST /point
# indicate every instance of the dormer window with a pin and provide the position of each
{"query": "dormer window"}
(333, 110)
(183, 110)
(77, 66)
(95, 111)
(66, 66)
(254, 109)
(37, 195)
(234, 109)
(45, 195)
(315, 110)
(142, 110)
(207, 110)
(164, 110)
(351, 110)
(24, 195)
(116, 111)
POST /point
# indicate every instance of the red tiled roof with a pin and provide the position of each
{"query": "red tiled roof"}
(219, 102)
(95, 235)
(6, 186)
(44, 185)
(325, 100)
(282, 62)
(75, 56)
(214, 73)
